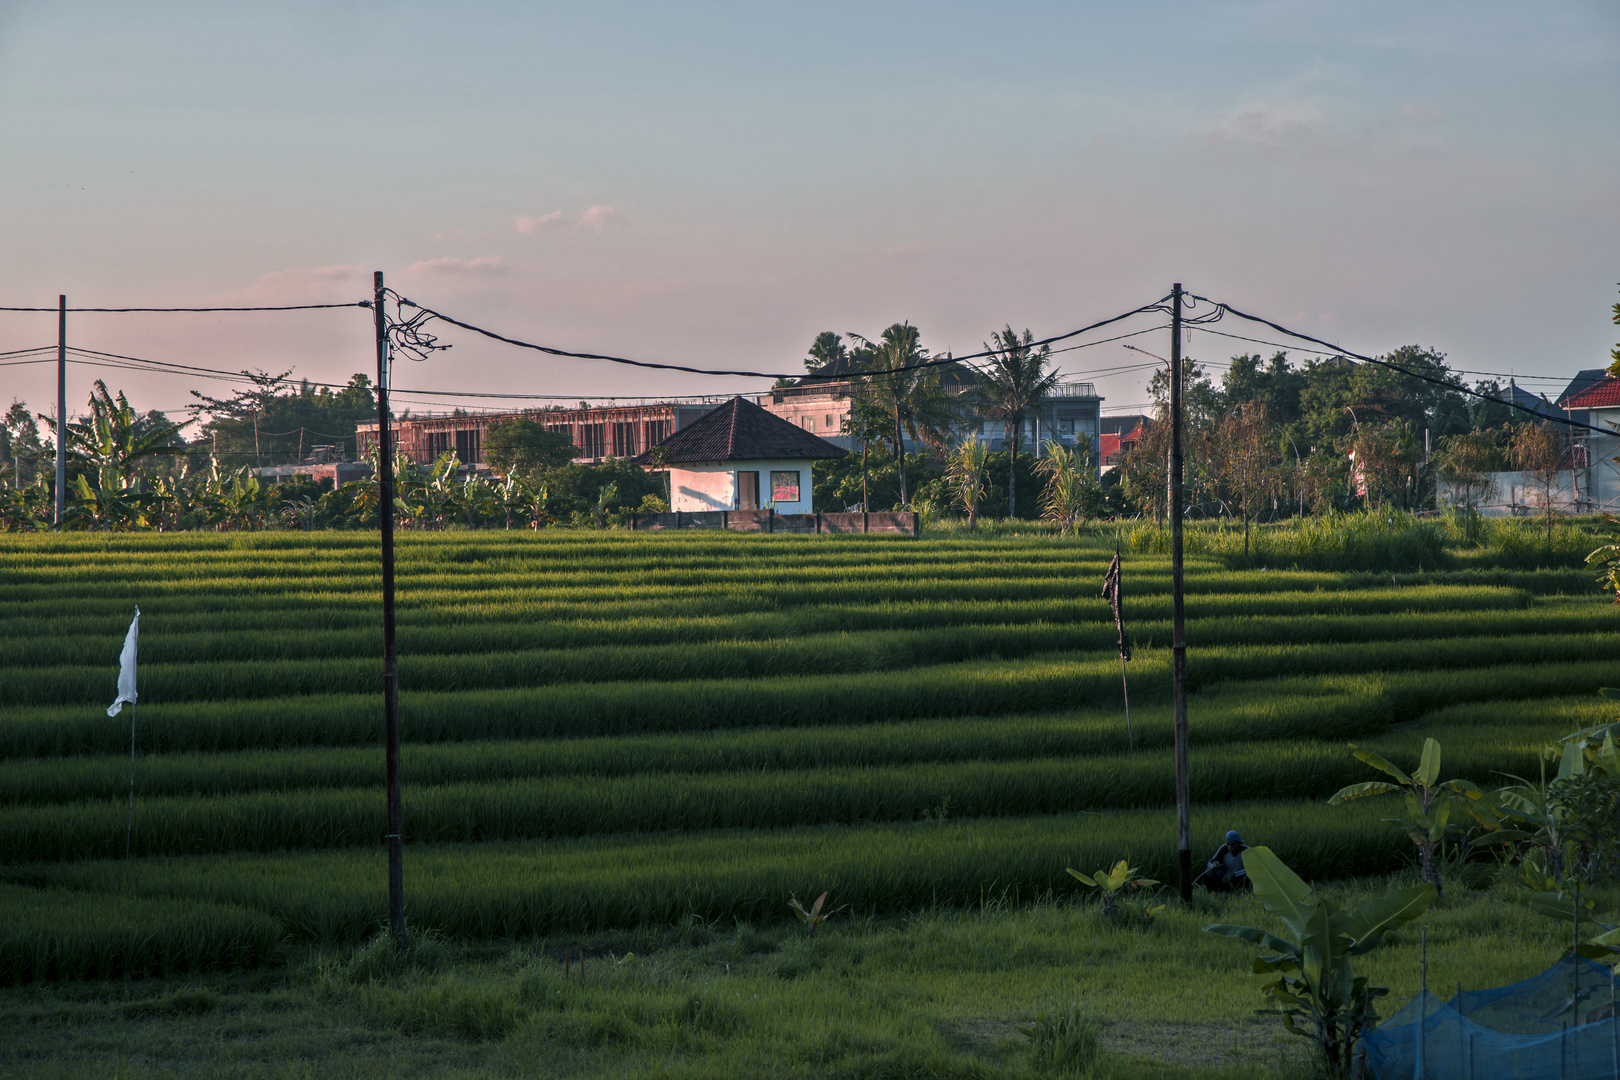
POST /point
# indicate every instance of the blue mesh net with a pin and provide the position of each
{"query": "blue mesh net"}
(1559, 1025)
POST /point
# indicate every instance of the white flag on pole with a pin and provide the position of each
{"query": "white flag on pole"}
(126, 667)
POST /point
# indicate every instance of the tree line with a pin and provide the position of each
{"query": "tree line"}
(1272, 438)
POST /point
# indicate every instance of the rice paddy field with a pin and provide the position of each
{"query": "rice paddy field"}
(614, 734)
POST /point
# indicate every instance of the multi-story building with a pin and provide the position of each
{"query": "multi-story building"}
(600, 431)
(820, 403)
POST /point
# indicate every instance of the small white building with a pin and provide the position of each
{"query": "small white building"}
(739, 457)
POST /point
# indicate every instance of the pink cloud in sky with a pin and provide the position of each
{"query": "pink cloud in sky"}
(304, 285)
(595, 218)
(450, 266)
(599, 217)
(527, 223)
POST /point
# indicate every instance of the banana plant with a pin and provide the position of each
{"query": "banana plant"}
(813, 916)
(508, 499)
(1428, 805)
(27, 509)
(604, 499)
(436, 489)
(476, 498)
(536, 503)
(116, 503)
(1112, 883)
(1317, 994)
(1534, 809)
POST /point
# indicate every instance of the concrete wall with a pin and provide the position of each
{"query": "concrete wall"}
(903, 523)
(1516, 494)
(696, 487)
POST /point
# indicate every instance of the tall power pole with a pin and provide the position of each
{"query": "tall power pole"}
(1178, 626)
(61, 408)
(385, 515)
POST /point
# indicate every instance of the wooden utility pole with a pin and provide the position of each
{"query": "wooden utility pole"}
(385, 515)
(61, 408)
(1178, 626)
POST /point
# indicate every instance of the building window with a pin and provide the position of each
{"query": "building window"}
(438, 442)
(828, 425)
(785, 485)
(467, 447)
(624, 439)
(1066, 426)
(809, 423)
(657, 432)
(595, 440)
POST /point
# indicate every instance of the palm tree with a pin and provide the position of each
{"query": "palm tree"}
(1014, 381)
(913, 396)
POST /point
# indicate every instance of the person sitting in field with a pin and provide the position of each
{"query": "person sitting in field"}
(1224, 872)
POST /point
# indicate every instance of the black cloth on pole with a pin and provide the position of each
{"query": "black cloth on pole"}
(1111, 593)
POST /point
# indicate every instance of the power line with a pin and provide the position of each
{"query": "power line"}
(570, 354)
(1324, 352)
(127, 310)
(1456, 387)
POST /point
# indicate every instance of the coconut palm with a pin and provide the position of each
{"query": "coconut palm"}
(913, 396)
(1014, 380)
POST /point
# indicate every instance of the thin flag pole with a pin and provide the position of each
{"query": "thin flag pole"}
(1130, 740)
(1113, 592)
(129, 826)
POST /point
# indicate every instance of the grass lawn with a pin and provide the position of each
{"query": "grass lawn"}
(937, 994)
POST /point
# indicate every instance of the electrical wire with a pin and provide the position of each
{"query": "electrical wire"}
(1455, 387)
(1556, 379)
(570, 354)
(127, 310)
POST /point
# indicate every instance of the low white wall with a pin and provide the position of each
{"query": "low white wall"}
(1515, 493)
(696, 487)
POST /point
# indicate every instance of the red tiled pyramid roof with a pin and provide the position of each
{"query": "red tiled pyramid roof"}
(741, 431)
(1603, 395)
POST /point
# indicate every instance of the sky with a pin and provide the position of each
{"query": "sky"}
(712, 184)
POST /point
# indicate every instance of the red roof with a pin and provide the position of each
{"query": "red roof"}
(741, 431)
(1604, 395)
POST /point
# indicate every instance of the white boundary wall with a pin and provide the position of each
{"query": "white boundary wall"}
(699, 486)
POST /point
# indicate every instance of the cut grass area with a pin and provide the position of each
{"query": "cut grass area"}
(939, 993)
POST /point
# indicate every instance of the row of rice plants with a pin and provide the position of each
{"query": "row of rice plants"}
(832, 654)
(519, 889)
(584, 806)
(193, 637)
(57, 934)
(652, 556)
(1335, 707)
(1501, 668)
